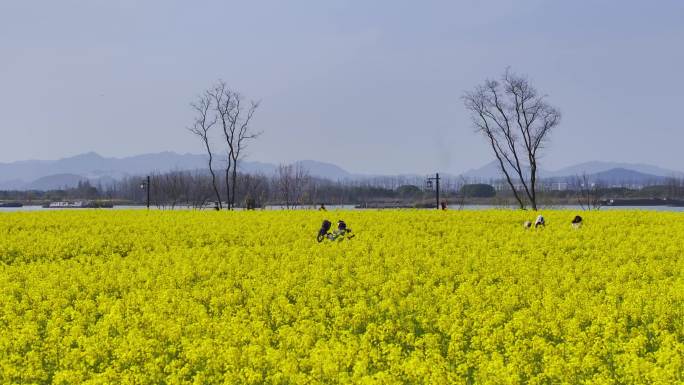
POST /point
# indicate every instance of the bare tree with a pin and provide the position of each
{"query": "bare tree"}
(292, 181)
(204, 121)
(200, 189)
(463, 194)
(175, 187)
(516, 120)
(254, 187)
(301, 181)
(588, 194)
(674, 187)
(284, 180)
(235, 116)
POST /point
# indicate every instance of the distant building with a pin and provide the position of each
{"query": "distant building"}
(555, 186)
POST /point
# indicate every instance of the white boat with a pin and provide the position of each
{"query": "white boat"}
(66, 205)
(79, 205)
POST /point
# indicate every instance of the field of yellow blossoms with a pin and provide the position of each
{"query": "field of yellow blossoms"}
(456, 297)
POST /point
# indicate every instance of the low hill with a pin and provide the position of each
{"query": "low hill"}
(55, 182)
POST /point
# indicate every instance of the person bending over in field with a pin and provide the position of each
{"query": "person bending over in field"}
(340, 233)
(539, 222)
(324, 231)
(527, 224)
(577, 222)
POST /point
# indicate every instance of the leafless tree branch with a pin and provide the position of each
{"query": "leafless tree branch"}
(517, 122)
(204, 121)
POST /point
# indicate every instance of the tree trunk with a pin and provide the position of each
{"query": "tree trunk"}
(234, 182)
(533, 188)
(228, 188)
(213, 178)
(508, 178)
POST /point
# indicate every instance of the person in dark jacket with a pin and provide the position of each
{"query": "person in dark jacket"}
(324, 231)
(577, 222)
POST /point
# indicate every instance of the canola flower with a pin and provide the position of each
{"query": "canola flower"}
(102, 297)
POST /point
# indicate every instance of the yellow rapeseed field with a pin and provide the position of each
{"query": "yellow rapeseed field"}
(471, 297)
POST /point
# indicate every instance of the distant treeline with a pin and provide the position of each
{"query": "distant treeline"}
(292, 186)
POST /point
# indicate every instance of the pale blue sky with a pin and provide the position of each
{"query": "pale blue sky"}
(373, 86)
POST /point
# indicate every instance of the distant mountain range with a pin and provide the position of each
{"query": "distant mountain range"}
(67, 172)
(491, 170)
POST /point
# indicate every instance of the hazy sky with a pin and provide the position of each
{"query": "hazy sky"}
(373, 86)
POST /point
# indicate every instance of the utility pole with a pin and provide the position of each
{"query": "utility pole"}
(148, 191)
(436, 178)
(437, 191)
(145, 185)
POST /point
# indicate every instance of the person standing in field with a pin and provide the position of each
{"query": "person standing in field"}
(322, 208)
(539, 221)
